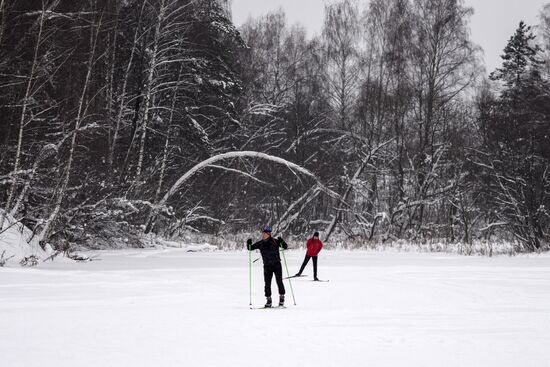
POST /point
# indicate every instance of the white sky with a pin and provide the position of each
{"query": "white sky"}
(493, 23)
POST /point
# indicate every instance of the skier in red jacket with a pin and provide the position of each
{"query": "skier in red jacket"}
(314, 246)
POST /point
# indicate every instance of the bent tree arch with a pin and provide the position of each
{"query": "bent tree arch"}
(220, 157)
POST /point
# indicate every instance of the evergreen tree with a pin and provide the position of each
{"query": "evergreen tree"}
(521, 57)
(515, 127)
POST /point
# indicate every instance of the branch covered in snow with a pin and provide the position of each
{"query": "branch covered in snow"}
(245, 154)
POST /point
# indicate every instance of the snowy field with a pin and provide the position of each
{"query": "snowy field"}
(175, 308)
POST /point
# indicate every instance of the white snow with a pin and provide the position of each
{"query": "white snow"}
(18, 242)
(170, 307)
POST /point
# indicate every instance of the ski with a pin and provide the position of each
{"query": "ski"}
(296, 276)
(267, 308)
(320, 280)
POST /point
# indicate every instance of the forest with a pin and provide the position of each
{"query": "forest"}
(123, 118)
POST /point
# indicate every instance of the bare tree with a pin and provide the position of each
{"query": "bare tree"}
(124, 89)
(341, 35)
(80, 115)
(443, 66)
(23, 121)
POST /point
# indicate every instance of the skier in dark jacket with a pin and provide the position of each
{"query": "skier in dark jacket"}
(314, 246)
(269, 248)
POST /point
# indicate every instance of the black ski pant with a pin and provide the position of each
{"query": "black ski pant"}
(306, 260)
(269, 270)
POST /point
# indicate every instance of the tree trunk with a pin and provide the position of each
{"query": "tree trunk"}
(79, 117)
(3, 17)
(112, 147)
(22, 121)
(149, 90)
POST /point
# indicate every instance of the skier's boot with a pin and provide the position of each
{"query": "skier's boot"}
(298, 274)
(316, 279)
(281, 300)
(268, 303)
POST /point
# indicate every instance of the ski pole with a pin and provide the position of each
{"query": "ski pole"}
(288, 274)
(249, 274)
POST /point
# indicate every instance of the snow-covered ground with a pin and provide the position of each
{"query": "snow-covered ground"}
(177, 308)
(17, 242)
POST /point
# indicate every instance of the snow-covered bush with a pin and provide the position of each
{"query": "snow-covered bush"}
(4, 259)
(18, 243)
(29, 261)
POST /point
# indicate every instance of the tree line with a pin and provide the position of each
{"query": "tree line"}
(105, 104)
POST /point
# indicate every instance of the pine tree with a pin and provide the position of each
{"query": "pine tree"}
(521, 57)
(516, 158)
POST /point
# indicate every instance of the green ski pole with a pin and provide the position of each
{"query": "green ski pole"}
(249, 272)
(288, 275)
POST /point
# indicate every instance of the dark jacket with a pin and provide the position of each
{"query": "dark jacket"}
(269, 248)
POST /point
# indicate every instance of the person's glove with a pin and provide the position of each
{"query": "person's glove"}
(249, 243)
(282, 243)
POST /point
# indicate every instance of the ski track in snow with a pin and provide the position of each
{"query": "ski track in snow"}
(175, 308)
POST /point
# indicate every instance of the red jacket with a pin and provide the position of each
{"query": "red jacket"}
(314, 246)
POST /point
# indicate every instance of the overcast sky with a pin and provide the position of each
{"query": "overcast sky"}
(493, 23)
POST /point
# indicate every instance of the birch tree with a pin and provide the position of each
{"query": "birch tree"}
(80, 115)
(341, 35)
(23, 120)
(443, 65)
